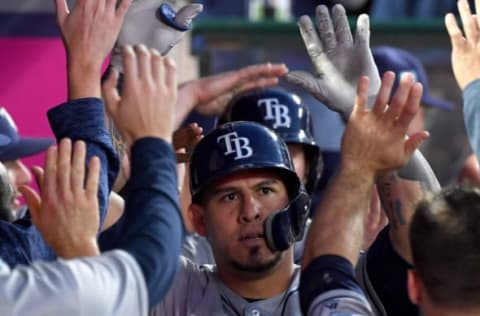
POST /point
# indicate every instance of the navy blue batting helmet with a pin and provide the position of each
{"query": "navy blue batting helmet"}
(239, 146)
(284, 113)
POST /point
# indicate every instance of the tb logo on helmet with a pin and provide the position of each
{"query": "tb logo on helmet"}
(240, 146)
(276, 112)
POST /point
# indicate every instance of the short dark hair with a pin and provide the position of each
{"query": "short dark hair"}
(445, 242)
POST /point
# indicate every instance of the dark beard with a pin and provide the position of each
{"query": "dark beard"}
(258, 268)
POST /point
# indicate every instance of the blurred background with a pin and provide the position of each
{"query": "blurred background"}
(232, 34)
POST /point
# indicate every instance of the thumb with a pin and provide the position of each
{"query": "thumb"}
(110, 92)
(187, 13)
(38, 173)
(33, 200)
(304, 80)
(414, 141)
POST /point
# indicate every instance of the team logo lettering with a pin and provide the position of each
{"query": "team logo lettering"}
(240, 146)
(277, 112)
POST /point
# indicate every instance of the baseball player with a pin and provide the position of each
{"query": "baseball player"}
(151, 232)
(284, 113)
(338, 60)
(88, 35)
(374, 141)
(12, 151)
(249, 202)
(7, 195)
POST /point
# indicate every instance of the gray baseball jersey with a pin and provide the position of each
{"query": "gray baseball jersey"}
(198, 291)
(111, 284)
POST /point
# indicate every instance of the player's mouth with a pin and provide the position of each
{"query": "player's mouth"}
(252, 239)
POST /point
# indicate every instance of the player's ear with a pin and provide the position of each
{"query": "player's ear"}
(197, 217)
(414, 287)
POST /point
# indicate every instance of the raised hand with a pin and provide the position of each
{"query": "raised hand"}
(66, 212)
(375, 140)
(339, 60)
(89, 32)
(465, 48)
(184, 139)
(146, 107)
(210, 95)
(155, 24)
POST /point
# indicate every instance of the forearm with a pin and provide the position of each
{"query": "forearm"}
(338, 225)
(83, 119)
(471, 114)
(400, 191)
(153, 228)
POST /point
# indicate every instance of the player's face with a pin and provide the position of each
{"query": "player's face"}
(235, 212)
(19, 175)
(297, 152)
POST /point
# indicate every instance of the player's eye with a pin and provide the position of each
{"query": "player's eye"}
(229, 197)
(266, 190)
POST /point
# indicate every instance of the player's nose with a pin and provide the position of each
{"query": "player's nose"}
(250, 209)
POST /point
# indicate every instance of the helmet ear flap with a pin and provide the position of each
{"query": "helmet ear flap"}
(286, 226)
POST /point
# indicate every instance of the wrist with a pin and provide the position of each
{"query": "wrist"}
(83, 80)
(355, 170)
(88, 248)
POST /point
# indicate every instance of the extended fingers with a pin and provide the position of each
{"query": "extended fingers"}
(400, 97)
(61, 7)
(325, 28)
(341, 25)
(78, 166)
(38, 173)
(266, 70)
(310, 39)
(170, 74)
(361, 97)
(383, 95)
(157, 65)
(469, 23)
(144, 62)
(64, 159)
(50, 176)
(362, 33)
(91, 185)
(122, 8)
(411, 107)
(456, 36)
(130, 66)
(187, 136)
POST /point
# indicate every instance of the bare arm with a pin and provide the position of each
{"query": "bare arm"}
(400, 191)
(374, 141)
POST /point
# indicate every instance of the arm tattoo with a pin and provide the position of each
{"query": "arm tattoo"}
(397, 202)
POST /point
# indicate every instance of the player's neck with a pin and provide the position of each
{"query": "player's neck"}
(260, 286)
(429, 309)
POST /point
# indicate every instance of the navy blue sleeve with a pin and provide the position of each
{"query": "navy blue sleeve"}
(85, 119)
(21, 242)
(326, 273)
(152, 228)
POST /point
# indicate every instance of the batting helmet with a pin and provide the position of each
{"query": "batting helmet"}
(239, 146)
(284, 113)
